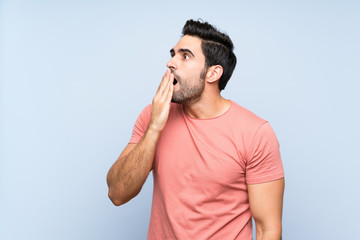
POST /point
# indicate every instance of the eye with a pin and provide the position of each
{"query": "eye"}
(186, 56)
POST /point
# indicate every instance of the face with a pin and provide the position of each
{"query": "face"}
(187, 63)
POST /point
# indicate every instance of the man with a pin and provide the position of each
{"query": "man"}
(215, 164)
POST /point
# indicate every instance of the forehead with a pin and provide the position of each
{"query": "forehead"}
(189, 42)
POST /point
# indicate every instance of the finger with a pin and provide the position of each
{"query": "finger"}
(170, 89)
(166, 89)
(163, 94)
(164, 81)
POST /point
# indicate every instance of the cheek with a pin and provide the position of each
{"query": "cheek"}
(191, 72)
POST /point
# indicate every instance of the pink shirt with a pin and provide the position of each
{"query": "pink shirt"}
(201, 170)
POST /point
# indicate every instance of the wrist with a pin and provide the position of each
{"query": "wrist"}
(153, 130)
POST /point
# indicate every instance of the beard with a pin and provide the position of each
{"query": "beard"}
(189, 93)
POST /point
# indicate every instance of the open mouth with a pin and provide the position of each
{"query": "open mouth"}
(175, 81)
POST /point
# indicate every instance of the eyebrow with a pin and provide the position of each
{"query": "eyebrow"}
(181, 50)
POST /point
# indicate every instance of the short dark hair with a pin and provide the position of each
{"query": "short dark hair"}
(216, 46)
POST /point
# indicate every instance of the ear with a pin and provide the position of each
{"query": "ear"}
(214, 73)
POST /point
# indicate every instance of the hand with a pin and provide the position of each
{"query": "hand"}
(161, 102)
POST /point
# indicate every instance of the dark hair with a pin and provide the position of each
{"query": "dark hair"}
(216, 46)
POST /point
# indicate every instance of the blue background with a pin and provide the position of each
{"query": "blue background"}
(76, 74)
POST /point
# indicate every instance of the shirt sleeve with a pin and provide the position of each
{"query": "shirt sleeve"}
(141, 125)
(264, 161)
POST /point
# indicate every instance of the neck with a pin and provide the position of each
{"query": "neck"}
(207, 107)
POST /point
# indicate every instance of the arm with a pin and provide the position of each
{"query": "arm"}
(128, 174)
(266, 201)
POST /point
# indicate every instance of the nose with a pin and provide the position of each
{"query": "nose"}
(172, 64)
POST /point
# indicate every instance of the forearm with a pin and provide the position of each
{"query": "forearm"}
(128, 174)
(269, 234)
(266, 200)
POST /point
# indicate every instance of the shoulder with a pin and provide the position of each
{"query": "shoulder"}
(245, 118)
(144, 116)
(147, 109)
(174, 108)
